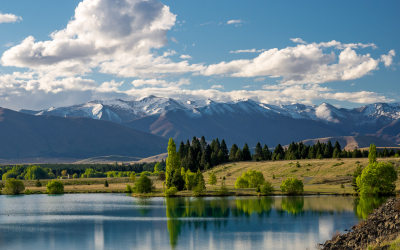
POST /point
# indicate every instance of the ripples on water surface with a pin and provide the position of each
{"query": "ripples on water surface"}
(117, 221)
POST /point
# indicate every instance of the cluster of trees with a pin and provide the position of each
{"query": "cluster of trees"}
(27, 173)
(376, 179)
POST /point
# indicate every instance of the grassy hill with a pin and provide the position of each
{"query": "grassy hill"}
(319, 176)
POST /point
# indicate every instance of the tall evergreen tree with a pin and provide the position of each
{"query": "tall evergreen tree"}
(214, 159)
(266, 153)
(221, 156)
(232, 153)
(246, 153)
(182, 151)
(337, 146)
(258, 154)
(278, 151)
(330, 149)
(224, 149)
(385, 152)
(203, 143)
(192, 160)
(239, 155)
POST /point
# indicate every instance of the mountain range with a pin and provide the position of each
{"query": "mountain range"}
(239, 121)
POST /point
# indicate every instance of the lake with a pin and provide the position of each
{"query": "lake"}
(118, 221)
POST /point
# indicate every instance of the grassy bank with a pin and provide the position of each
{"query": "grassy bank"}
(319, 177)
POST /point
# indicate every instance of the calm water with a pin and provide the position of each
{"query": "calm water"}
(117, 221)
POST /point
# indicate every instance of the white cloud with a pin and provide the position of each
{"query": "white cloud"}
(160, 83)
(247, 51)
(388, 59)
(116, 37)
(217, 87)
(234, 21)
(298, 40)
(304, 63)
(8, 44)
(260, 79)
(246, 87)
(174, 39)
(9, 18)
(185, 57)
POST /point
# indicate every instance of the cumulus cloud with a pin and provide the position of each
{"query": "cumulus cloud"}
(117, 37)
(185, 57)
(388, 59)
(9, 18)
(160, 83)
(304, 63)
(217, 87)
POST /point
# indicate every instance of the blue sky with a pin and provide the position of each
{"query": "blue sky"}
(308, 52)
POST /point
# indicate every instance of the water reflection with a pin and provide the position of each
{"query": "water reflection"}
(114, 221)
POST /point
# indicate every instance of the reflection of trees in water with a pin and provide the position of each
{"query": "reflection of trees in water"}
(293, 205)
(180, 208)
(245, 207)
(145, 205)
(365, 205)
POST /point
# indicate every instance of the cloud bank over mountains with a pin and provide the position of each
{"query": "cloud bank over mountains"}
(127, 39)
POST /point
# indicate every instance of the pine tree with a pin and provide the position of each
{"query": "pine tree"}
(232, 153)
(239, 156)
(203, 161)
(336, 153)
(330, 149)
(224, 149)
(217, 146)
(214, 159)
(203, 143)
(182, 151)
(337, 146)
(246, 153)
(221, 156)
(266, 154)
(173, 161)
(258, 154)
(177, 180)
(327, 154)
(191, 160)
(278, 150)
(385, 152)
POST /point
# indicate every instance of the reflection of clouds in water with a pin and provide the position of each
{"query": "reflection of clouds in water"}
(325, 225)
(99, 235)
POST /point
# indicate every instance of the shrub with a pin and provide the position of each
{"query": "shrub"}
(14, 187)
(133, 177)
(258, 190)
(128, 189)
(298, 164)
(199, 189)
(161, 176)
(377, 179)
(273, 176)
(28, 192)
(223, 190)
(266, 188)
(106, 184)
(171, 191)
(177, 180)
(241, 183)
(55, 187)
(38, 183)
(292, 186)
(75, 176)
(190, 180)
(213, 179)
(143, 184)
(342, 186)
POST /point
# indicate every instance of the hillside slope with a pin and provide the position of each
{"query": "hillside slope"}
(28, 136)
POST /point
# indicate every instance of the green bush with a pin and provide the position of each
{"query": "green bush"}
(377, 179)
(171, 191)
(143, 184)
(106, 184)
(292, 186)
(161, 176)
(55, 187)
(75, 176)
(266, 188)
(213, 179)
(241, 183)
(253, 177)
(132, 177)
(128, 189)
(14, 187)
(223, 190)
(28, 192)
(38, 183)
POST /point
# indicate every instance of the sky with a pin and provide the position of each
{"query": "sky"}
(60, 53)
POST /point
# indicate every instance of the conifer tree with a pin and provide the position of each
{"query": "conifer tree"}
(246, 155)
(337, 146)
(203, 143)
(258, 154)
(239, 156)
(182, 151)
(278, 151)
(221, 156)
(330, 149)
(191, 160)
(232, 153)
(224, 149)
(266, 153)
(385, 152)
(214, 159)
